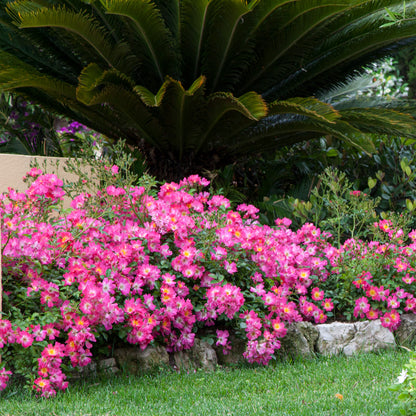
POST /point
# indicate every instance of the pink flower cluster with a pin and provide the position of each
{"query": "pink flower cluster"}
(158, 268)
(226, 299)
(50, 374)
(383, 283)
(4, 378)
(222, 339)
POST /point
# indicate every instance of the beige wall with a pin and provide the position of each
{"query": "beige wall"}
(14, 167)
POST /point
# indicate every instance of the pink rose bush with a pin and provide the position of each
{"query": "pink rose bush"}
(157, 267)
(374, 280)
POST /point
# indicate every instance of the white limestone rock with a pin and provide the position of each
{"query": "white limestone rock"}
(350, 338)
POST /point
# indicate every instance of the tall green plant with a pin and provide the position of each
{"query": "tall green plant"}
(199, 83)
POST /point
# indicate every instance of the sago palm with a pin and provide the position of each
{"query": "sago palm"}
(199, 83)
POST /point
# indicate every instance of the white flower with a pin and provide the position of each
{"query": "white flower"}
(402, 377)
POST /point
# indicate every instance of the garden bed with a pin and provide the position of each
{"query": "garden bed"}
(154, 267)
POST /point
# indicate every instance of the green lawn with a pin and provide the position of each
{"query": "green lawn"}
(284, 388)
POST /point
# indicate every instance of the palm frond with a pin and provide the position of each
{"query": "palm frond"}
(354, 40)
(190, 77)
(180, 110)
(92, 79)
(227, 115)
(224, 18)
(171, 13)
(15, 74)
(310, 107)
(156, 38)
(150, 99)
(351, 86)
(114, 89)
(80, 23)
(381, 121)
(286, 129)
(134, 113)
(194, 28)
(34, 47)
(280, 30)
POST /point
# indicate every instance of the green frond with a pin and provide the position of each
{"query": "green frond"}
(171, 13)
(157, 40)
(79, 23)
(155, 100)
(227, 115)
(93, 78)
(34, 47)
(310, 107)
(381, 121)
(345, 90)
(88, 82)
(192, 120)
(264, 11)
(255, 107)
(348, 133)
(350, 41)
(100, 118)
(281, 130)
(224, 17)
(15, 74)
(180, 112)
(150, 99)
(133, 112)
(98, 87)
(194, 28)
(283, 31)
(185, 77)
(15, 8)
(250, 105)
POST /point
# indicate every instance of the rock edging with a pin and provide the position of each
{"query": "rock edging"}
(302, 339)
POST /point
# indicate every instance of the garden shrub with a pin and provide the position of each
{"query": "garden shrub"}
(374, 279)
(148, 265)
(149, 268)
